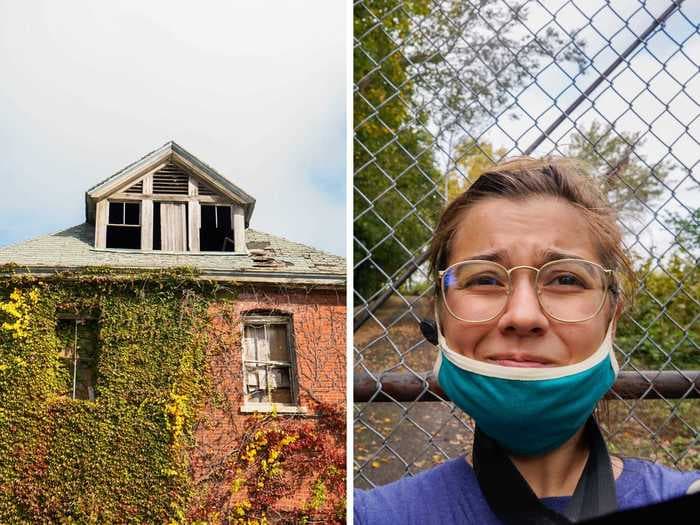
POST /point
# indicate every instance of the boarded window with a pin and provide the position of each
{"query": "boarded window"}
(216, 233)
(78, 353)
(172, 219)
(268, 360)
(124, 225)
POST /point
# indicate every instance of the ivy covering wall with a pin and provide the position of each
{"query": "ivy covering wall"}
(122, 457)
(123, 454)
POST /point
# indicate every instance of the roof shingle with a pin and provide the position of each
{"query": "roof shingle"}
(271, 259)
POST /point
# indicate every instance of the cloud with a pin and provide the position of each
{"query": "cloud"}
(255, 89)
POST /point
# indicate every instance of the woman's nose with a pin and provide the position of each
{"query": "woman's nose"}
(523, 314)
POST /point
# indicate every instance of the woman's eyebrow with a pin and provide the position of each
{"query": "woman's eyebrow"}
(555, 255)
(502, 256)
(498, 256)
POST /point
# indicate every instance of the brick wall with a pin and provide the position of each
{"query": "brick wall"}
(319, 335)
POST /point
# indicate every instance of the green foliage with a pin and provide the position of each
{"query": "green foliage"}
(318, 495)
(625, 176)
(472, 158)
(395, 168)
(398, 71)
(121, 458)
(688, 230)
(662, 323)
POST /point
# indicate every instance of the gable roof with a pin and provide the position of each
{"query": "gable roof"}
(168, 152)
(270, 259)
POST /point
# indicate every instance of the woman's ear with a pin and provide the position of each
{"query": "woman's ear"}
(428, 327)
(429, 330)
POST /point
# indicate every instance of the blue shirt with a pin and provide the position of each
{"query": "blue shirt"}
(450, 493)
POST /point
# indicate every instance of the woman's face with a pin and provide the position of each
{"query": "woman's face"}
(525, 232)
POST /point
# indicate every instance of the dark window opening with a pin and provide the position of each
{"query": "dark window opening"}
(132, 213)
(187, 227)
(156, 226)
(216, 234)
(124, 225)
(116, 213)
(78, 343)
(125, 213)
(126, 237)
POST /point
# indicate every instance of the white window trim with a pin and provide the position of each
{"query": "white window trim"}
(250, 406)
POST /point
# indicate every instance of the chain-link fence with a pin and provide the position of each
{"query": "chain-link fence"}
(442, 89)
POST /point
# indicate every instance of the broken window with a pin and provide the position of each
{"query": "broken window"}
(124, 225)
(78, 353)
(216, 233)
(268, 360)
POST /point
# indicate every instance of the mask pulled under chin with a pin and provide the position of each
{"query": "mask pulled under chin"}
(528, 411)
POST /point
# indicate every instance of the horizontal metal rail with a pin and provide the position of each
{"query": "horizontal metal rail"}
(645, 384)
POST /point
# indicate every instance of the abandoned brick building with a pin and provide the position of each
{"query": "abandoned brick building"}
(85, 351)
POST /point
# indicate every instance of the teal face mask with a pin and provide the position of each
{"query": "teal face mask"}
(528, 411)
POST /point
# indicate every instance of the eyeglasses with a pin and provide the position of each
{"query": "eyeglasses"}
(568, 290)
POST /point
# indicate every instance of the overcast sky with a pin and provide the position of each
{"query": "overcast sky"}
(254, 89)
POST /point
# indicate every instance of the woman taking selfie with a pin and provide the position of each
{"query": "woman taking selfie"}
(528, 265)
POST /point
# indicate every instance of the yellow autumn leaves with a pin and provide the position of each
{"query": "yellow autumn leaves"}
(18, 308)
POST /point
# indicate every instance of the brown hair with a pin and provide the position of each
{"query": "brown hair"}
(524, 177)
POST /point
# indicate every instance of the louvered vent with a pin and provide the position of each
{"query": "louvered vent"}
(205, 190)
(136, 188)
(171, 180)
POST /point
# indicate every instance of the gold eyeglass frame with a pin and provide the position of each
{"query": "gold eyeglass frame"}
(607, 271)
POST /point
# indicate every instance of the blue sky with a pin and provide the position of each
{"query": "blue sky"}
(254, 89)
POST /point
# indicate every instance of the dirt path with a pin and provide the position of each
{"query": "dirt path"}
(394, 439)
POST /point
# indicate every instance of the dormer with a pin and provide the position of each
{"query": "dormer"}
(169, 201)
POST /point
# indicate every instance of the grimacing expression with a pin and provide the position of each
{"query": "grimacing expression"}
(515, 232)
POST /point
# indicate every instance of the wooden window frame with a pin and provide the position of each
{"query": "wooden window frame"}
(125, 202)
(138, 226)
(250, 405)
(78, 319)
